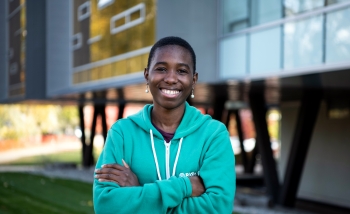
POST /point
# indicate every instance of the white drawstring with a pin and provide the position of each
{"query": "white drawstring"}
(155, 155)
(177, 156)
(156, 159)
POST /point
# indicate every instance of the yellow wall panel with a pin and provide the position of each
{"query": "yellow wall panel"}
(120, 68)
(105, 43)
(95, 74)
(135, 64)
(106, 71)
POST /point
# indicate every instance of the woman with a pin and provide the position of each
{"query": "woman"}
(168, 158)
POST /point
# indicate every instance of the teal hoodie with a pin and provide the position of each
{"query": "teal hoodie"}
(201, 146)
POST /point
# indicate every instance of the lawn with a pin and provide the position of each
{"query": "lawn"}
(27, 193)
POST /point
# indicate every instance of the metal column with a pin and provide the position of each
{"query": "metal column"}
(310, 105)
(241, 140)
(258, 107)
(99, 109)
(82, 128)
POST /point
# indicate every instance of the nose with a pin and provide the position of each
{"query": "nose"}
(171, 77)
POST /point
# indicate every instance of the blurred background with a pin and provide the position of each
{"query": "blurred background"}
(276, 72)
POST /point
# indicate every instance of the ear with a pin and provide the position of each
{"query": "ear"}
(195, 79)
(145, 74)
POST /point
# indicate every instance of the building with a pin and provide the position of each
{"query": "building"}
(293, 55)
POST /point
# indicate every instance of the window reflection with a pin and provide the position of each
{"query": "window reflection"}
(292, 7)
(235, 14)
(338, 36)
(233, 57)
(265, 51)
(241, 14)
(303, 43)
(104, 3)
(335, 1)
(263, 11)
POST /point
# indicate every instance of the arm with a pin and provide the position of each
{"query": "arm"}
(218, 174)
(124, 177)
(121, 175)
(156, 197)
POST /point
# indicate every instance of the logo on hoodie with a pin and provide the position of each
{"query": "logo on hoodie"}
(188, 174)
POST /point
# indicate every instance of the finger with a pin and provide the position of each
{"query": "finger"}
(125, 164)
(115, 166)
(111, 171)
(107, 177)
(110, 174)
(120, 180)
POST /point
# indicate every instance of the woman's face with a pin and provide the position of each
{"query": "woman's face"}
(170, 76)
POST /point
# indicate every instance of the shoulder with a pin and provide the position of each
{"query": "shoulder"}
(215, 125)
(122, 124)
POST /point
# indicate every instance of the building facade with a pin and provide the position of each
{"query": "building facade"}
(293, 55)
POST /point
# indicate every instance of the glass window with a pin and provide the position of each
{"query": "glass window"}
(335, 1)
(292, 7)
(303, 43)
(263, 11)
(104, 3)
(235, 14)
(241, 14)
(338, 36)
(265, 51)
(17, 34)
(233, 57)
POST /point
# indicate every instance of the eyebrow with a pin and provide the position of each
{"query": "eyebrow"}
(181, 64)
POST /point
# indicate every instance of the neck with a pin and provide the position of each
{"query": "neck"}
(167, 120)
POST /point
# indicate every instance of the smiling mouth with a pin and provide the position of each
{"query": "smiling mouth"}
(170, 92)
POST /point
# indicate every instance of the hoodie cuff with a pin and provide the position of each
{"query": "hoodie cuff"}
(188, 186)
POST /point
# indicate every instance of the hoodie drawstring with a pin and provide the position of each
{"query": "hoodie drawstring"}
(177, 156)
(156, 159)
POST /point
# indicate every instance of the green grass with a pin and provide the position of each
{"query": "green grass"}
(26, 193)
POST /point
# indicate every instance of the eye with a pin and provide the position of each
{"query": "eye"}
(160, 69)
(182, 71)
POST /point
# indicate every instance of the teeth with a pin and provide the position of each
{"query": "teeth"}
(170, 91)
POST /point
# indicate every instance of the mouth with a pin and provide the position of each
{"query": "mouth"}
(170, 92)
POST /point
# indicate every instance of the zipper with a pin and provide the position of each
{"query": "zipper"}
(167, 157)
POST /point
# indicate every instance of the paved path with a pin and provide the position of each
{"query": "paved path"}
(43, 149)
(60, 171)
(85, 175)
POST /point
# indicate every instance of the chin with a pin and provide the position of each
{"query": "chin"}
(170, 104)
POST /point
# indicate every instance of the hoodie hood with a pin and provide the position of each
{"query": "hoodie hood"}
(191, 121)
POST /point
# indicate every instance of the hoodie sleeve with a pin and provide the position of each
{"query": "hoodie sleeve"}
(218, 174)
(154, 198)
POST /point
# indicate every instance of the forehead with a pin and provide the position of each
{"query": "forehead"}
(172, 52)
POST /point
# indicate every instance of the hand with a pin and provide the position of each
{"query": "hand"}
(197, 186)
(122, 175)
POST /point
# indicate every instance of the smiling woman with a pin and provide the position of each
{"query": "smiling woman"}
(167, 158)
(171, 78)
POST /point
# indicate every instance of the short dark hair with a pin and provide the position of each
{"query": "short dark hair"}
(172, 40)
